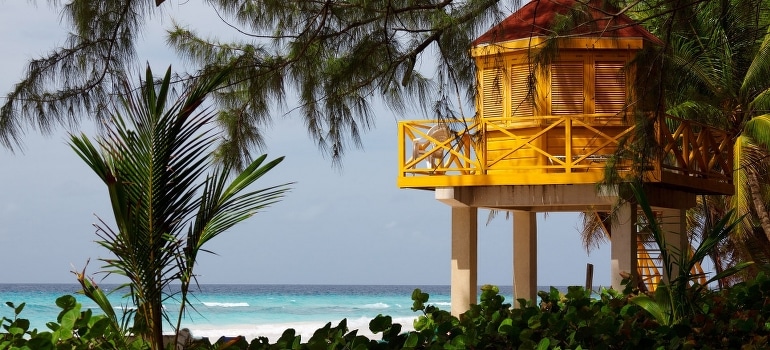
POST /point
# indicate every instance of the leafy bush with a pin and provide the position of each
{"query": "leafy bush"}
(679, 299)
(734, 318)
(738, 317)
(74, 329)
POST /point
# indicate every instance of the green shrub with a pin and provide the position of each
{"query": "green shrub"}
(74, 329)
(734, 318)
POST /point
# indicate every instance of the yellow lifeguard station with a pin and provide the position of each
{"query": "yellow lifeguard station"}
(542, 139)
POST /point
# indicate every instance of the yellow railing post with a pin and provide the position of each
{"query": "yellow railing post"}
(568, 144)
(401, 148)
(483, 156)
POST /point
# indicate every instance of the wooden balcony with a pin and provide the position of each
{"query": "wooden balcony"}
(565, 149)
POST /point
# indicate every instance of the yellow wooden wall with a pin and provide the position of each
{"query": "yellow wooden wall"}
(592, 84)
(577, 82)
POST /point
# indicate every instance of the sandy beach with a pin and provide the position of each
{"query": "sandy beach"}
(274, 331)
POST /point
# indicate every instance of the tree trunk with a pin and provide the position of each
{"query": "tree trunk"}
(759, 204)
(157, 325)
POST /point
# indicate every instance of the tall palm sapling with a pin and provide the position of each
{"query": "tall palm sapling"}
(168, 195)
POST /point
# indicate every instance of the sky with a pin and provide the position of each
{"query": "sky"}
(336, 226)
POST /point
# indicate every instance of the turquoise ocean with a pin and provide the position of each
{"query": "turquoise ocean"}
(253, 310)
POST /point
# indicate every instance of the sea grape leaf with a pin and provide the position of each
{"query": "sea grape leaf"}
(458, 342)
(421, 323)
(411, 340)
(15, 330)
(506, 326)
(18, 309)
(66, 302)
(544, 344)
(99, 327)
(41, 341)
(380, 323)
(67, 321)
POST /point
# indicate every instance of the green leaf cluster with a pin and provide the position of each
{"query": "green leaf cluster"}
(679, 297)
(735, 318)
(578, 319)
(74, 328)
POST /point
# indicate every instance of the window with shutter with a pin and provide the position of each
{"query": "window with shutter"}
(567, 94)
(610, 91)
(521, 91)
(491, 93)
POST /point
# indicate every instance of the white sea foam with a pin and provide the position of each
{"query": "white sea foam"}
(274, 331)
(119, 308)
(216, 304)
(376, 306)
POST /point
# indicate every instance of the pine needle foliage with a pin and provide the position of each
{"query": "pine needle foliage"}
(331, 59)
(78, 78)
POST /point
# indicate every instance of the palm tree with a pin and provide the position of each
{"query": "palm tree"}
(721, 57)
(168, 199)
(716, 64)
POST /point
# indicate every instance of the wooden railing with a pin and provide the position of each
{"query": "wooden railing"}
(569, 149)
(694, 155)
(650, 265)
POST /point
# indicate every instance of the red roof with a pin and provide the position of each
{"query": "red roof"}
(536, 19)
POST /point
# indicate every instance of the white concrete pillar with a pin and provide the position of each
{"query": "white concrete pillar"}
(524, 255)
(623, 244)
(673, 224)
(464, 259)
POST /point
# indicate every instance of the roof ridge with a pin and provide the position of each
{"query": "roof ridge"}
(535, 19)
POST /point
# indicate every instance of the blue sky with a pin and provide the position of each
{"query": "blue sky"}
(337, 226)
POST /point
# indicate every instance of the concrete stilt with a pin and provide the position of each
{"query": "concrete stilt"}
(623, 244)
(673, 225)
(524, 255)
(524, 202)
(464, 258)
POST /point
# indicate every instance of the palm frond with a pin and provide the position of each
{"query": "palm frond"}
(594, 229)
(758, 129)
(155, 159)
(758, 72)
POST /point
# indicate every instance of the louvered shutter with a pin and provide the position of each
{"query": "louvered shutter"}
(567, 94)
(521, 91)
(610, 91)
(491, 93)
